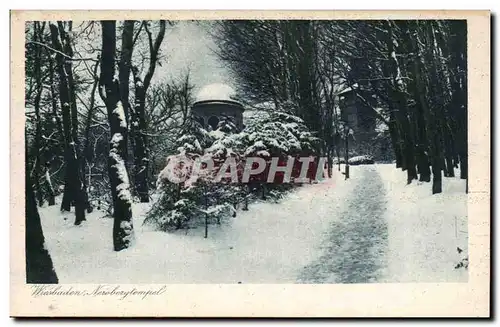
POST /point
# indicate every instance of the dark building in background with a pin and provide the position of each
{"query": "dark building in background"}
(209, 112)
(361, 119)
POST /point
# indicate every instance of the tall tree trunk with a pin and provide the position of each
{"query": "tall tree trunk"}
(423, 165)
(422, 143)
(138, 117)
(81, 187)
(74, 190)
(64, 97)
(329, 162)
(125, 66)
(306, 88)
(459, 90)
(346, 150)
(338, 157)
(50, 189)
(448, 154)
(422, 147)
(39, 266)
(437, 109)
(53, 100)
(401, 113)
(37, 37)
(395, 140)
(443, 43)
(123, 232)
(429, 115)
(60, 133)
(141, 150)
(88, 152)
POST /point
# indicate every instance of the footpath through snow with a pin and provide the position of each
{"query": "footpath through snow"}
(370, 228)
(355, 248)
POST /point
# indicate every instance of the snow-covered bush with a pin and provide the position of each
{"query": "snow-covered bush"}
(356, 160)
(205, 199)
(170, 211)
(278, 191)
(192, 201)
(279, 134)
(361, 160)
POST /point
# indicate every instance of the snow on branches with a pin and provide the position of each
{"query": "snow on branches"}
(209, 195)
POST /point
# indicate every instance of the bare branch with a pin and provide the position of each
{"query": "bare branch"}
(154, 49)
(61, 53)
(137, 34)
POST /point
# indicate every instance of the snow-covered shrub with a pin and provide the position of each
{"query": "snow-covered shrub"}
(278, 191)
(204, 198)
(279, 133)
(361, 160)
(191, 201)
(217, 212)
(166, 211)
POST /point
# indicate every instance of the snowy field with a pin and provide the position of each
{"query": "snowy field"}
(370, 228)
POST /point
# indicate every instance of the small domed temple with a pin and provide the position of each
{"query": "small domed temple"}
(215, 102)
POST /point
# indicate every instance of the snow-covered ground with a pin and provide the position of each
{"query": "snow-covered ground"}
(370, 228)
(425, 230)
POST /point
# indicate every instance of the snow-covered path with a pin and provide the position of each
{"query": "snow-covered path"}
(369, 228)
(270, 243)
(356, 246)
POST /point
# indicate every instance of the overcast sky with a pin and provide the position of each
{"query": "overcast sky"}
(189, 44)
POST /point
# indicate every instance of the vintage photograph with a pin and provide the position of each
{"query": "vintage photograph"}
(246, 151)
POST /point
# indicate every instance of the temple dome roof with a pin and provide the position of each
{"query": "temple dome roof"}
(216, 91)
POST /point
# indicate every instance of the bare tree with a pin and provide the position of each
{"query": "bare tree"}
(38, 29)
(298, 61)
(138, 117)
(74, 185)
(124, 68)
